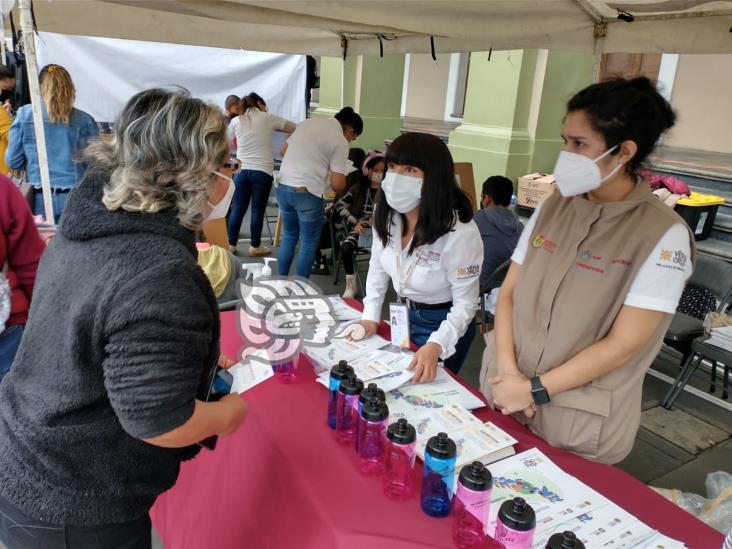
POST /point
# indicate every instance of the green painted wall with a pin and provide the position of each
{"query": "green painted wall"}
(494, 134)
(330, 86)
(566, 73)
(379, 100)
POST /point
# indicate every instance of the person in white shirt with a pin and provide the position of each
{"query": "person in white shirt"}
(314, 158)
(253, 131)
(426, 242)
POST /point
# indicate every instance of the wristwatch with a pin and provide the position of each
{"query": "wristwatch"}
(538, 391)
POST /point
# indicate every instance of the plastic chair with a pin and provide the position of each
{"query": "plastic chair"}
(716, 276)
(496, 279)
(700, 350)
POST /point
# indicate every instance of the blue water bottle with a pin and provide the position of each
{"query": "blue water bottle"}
(337, 373)
(438, 475)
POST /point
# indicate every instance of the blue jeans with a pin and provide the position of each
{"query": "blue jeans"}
(9, 343)
(250, 186)
(303, 215)
(58, 201)
(423, 322)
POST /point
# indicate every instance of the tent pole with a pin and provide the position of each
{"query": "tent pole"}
(2, 42)
(29, 46)
(599, 35)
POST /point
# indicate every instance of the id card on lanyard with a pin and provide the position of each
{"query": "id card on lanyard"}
(399, 312)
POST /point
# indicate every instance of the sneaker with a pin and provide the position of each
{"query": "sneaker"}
(232, 249)
(258, 252)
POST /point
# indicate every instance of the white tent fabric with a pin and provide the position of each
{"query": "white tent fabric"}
(363, 26)
(107, 72)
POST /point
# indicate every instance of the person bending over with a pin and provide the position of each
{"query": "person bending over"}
(104, 399)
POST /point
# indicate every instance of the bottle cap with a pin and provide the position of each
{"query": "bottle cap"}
(441, 446)
(517, 515)
(351, 385)
(401, 432)
(476, 477)
(374, 410)
(340, 370)
(372, 392)
(564, 540)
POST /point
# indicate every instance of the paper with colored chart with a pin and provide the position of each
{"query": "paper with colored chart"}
(563, 503)
(379, 363)
(342, 310)
(324, 358)
(555, 496)
(413, 400)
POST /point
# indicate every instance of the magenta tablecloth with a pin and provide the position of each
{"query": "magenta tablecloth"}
(283, 482)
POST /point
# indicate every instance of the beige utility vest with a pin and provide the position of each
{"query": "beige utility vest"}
(581, 261)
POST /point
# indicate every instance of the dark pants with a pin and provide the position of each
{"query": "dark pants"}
(18, 531)
(423, 322)
(303, 215)
(58, 201)
(348, 251)
(250, 186)
(9, 343)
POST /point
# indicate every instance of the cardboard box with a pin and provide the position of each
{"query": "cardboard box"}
(534, 188)
(466, 181)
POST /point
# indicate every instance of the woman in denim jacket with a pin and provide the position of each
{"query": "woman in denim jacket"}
(68, 132)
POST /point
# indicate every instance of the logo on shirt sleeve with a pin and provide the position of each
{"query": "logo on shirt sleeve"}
(672, 259)
(471, 271)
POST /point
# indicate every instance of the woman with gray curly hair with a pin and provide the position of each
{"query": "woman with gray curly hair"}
(106, 395)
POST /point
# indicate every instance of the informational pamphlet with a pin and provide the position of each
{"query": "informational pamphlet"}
(249, 373)
(563, 503)
(413, 400)
(324, 358)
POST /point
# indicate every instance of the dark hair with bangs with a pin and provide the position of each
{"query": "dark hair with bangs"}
(443, 201)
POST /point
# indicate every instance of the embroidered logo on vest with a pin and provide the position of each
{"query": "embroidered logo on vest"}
(540, 241)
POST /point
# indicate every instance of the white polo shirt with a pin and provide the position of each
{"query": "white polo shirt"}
(316, 148)
(253, 131)
(658, 284)
(447, 270)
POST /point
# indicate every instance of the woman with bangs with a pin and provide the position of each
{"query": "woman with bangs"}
(425, 241)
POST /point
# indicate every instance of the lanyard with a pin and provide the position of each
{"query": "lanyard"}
(403, 282)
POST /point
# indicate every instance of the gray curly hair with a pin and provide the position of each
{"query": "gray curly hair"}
(165, 146)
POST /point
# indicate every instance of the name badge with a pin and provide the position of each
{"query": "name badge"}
(399, 316)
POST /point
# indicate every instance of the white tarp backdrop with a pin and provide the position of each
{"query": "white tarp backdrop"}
(107, 72)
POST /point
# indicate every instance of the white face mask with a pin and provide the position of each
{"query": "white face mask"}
(376, 177)
(577, 174)
(220, 210)
(403, 192)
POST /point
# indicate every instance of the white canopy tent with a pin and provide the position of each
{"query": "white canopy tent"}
(362, 26)
(359, 27)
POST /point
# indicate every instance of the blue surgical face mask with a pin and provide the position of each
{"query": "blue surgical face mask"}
(402, 192)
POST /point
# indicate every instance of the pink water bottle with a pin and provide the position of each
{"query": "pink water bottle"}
(470, 509)
(370, 392)
(372, 438)
(399, 456)
(516, 524)
(347, 409)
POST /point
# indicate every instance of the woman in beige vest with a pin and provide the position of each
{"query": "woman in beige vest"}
(594, 282)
